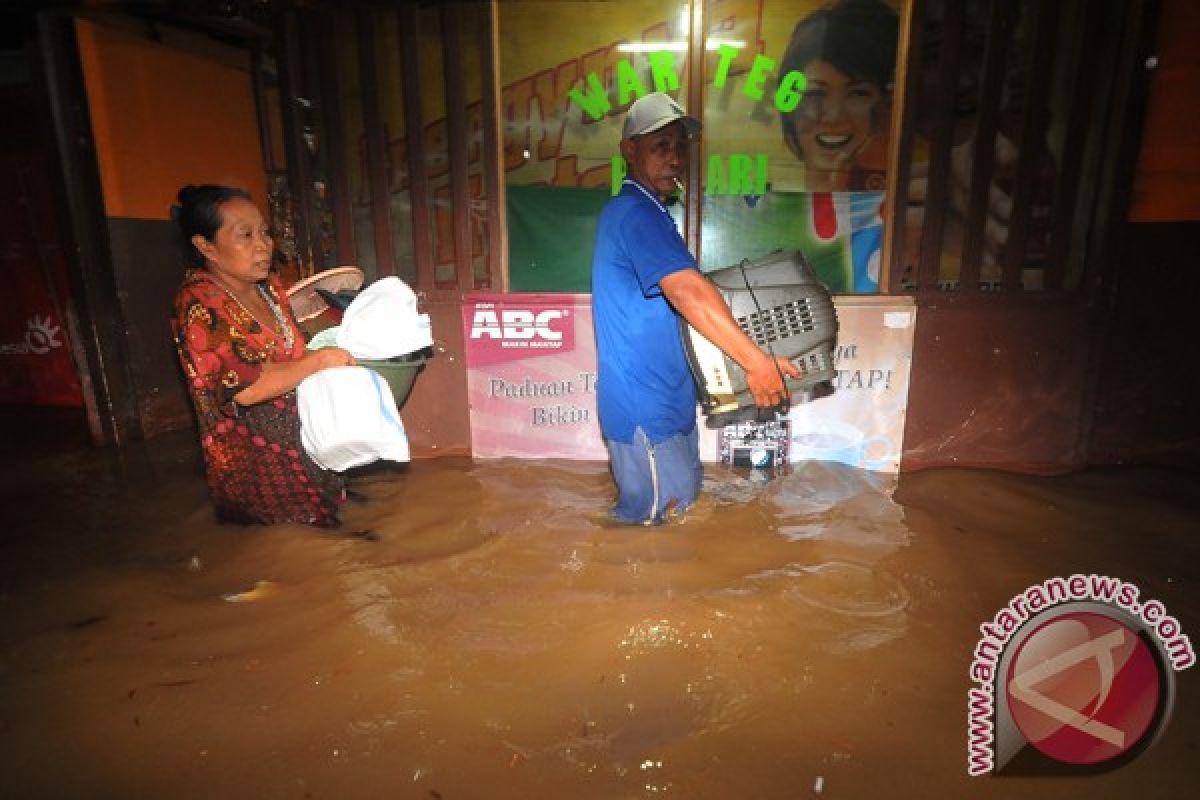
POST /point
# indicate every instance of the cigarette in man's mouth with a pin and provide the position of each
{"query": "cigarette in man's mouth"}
(678, 184)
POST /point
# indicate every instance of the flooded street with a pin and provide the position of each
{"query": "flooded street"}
(494, 637)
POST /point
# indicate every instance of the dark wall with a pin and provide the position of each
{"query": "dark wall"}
(1146, 404)
(148, 267)
(1166, 187)
(1048, 384)
(437, 415)
(998, 380)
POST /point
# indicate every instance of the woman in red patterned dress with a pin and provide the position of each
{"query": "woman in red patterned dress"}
(243, 356)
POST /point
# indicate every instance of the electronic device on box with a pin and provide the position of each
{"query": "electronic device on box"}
(762, 445)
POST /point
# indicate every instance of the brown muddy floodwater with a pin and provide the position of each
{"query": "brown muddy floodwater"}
(800, 636)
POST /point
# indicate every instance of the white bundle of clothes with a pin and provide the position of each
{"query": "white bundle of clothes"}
(348, 415)
(382, 322)
(348, 418)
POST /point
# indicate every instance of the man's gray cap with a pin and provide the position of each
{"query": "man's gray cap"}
(654, 111)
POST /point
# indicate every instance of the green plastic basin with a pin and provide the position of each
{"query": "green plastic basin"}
(400, 374)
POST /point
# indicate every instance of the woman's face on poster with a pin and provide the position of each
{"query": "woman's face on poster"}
(834, 121)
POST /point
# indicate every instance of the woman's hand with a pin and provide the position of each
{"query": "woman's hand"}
(327, 357)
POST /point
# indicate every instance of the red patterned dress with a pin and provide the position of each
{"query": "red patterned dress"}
(257, 468)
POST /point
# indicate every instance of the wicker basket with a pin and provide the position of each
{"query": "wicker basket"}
(307, 304)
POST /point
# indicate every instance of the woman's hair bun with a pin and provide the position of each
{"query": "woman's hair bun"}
(187, 194)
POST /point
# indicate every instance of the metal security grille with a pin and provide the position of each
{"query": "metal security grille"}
(780, 322)
(428, 209)
(1013, 156)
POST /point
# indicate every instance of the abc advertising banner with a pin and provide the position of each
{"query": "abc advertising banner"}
(531, 376)
(531, 383)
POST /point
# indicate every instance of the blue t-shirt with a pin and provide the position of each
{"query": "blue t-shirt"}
(643, 377)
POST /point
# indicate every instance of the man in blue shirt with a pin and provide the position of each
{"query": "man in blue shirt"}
(643, 279)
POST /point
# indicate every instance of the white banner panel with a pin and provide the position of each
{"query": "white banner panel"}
(531, 371)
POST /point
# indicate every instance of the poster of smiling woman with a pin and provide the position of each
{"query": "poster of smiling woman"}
(847, 53)
(827, 149)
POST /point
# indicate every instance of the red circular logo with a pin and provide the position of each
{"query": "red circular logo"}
(1084, 688)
